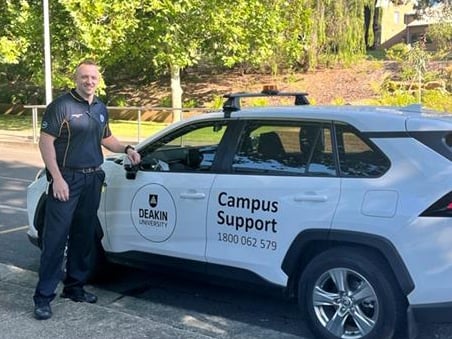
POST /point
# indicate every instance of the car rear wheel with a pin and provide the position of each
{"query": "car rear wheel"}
(348, 294)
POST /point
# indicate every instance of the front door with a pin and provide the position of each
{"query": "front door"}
(163, 209)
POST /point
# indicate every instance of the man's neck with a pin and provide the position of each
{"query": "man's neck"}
(88, 98)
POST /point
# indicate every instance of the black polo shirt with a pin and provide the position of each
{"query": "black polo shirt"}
(79, 128)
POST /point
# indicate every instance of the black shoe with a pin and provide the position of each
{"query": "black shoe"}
(80, 296)
(43, 312)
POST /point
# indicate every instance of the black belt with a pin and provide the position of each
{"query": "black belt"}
(83, 170)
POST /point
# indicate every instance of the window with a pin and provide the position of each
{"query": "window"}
(285, 149)
(358, 157)
(190, 149)
(396, 17)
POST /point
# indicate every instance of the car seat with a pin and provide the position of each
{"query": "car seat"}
(270, 146)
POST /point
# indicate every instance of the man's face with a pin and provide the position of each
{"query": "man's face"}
(86, 80)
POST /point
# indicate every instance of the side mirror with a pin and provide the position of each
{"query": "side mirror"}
(131, 171)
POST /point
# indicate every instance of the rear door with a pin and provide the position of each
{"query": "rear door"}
(283, 180)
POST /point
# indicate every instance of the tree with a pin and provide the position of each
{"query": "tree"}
(175, 35)
(148, 37)
(13, 44)
(422, 5)
(417, 60)
(441, 30)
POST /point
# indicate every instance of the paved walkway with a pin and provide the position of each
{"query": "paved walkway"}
(70, 319)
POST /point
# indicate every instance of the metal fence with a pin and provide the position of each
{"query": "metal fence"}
(177, 114)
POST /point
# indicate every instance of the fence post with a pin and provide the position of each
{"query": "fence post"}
(34, 114)
(139, 125)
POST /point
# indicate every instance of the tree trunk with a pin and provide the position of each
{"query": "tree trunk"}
(176, 93)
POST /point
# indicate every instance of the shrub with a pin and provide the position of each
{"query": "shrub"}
(216, 103)
(438, 100)
(191, 103)
(339, 101)
(165, 101)
(398, 52)
(119, 101)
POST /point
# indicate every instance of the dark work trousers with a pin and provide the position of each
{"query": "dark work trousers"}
(72, 222)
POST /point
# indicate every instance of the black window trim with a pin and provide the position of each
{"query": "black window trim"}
(366, 138)
(435, 140)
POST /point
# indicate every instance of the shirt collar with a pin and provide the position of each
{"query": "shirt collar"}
(77, 97)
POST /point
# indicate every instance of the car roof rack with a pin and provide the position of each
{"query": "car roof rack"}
(232, 103)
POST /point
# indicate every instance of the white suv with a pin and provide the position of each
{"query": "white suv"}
(348, 209)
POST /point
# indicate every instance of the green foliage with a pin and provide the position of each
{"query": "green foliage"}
(216, 103)
(396, 98)
(13, 40)
(165, 102)
(339, 30)
(140, 39)
(191, 103)
(119, 101)
(339, 101)
(447, 76)
(376, 54)
(441, 32)
(256, 102)
(437, 100)
(433, 99)
(398, 52)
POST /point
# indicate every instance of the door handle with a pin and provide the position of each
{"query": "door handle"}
(192, 195)
(311, 197)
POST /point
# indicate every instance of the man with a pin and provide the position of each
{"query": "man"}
(73, 128)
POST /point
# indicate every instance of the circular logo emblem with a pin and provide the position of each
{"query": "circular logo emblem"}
(102, 118)
(153, 213)
(44, 124)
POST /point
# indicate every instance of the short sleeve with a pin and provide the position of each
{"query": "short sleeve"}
(107, 131)
(53, 119)
(104, 118)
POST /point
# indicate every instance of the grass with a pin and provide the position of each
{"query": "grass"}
(22, 125)
(131, 130)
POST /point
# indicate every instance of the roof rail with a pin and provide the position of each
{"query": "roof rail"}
(232, 103)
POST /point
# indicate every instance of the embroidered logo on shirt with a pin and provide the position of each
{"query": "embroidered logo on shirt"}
(102, 118)
(76, 115)
(44, 124)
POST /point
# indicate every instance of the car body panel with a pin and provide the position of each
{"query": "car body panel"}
(176, 227)
(251, 217)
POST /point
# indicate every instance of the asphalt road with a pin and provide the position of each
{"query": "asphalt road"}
(215, 311)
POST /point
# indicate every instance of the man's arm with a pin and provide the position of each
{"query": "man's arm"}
(113, 145)
(48, 154)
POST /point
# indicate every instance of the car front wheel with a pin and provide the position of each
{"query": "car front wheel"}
(349, 294)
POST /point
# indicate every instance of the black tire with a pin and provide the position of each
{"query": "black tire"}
(348, 293)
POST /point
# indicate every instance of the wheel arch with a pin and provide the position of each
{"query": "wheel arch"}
(309, 243)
